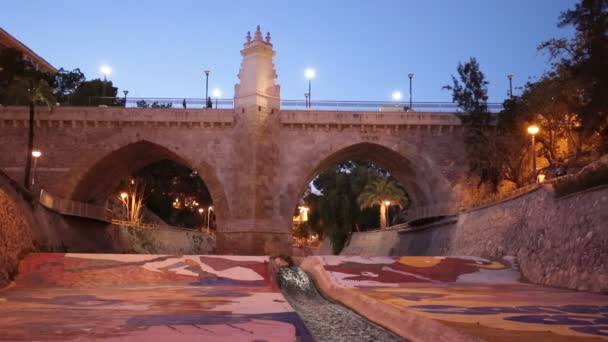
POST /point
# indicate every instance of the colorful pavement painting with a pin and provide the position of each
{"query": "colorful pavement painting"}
(476, 295)
(109, 297)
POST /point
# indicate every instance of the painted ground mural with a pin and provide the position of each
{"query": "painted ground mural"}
(475, 295)
(146, 298)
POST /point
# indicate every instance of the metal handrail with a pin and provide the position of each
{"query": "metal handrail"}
(329, 105)
(75, 208)
(154, 226)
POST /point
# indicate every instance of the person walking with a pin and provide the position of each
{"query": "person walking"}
(184, 103)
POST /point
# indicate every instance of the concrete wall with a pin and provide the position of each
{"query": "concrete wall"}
(560, 242)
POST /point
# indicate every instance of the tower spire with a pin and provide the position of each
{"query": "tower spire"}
(257, 76)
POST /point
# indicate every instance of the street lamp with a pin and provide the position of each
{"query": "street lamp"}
(510, 77)
(397, 96)
(216, 93)
(387, 204)
(123, 199)
(208, 218)
(36, 154)
(533, 130)
(125, 92)
(105, 70)
(206, 85)
(310, 74)
(201, 211)
(410, 77)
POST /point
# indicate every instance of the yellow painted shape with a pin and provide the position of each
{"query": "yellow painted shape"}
(419, 261)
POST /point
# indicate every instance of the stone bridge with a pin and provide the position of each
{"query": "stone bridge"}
(255, 159)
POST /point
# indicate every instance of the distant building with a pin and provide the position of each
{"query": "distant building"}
(7, 41)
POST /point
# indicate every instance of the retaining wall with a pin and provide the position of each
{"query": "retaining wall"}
(560, 242)
(16, 225)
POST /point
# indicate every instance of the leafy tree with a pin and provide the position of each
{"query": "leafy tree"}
(95, 92)
(585, 58)
(335, 214)
(167, 181)
(66, 83)
(470, 91)
(21, 83)
(155, 104)
(35, 90)
(377, 192)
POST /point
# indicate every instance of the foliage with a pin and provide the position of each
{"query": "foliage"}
(155, 104)
(32, 88)
(95, 92)
(335, 214)
(167, 181)
(593, 175)
(470, 91)
(20, 82)
(66, 83)
(379, 190)
(133, 199)
(585, 59)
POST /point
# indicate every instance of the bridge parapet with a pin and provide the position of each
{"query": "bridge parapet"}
(94, 116)
(300, 117)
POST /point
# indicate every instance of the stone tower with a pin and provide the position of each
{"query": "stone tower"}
(255, 226)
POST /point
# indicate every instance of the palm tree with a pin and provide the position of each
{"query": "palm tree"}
(34, 90)
(377, 192)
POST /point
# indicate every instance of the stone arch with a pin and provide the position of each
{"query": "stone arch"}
(93, 180)
(417, 173)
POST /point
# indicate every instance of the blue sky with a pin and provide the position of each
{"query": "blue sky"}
(361, 50)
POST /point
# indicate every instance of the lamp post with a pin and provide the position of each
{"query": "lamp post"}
(201, 211)
(206, 85)
(310, 74)
(208, 218)
(123, 198)
(387, 204)
(126, 92)
(306, 97)
(36, 154)
(533, 130)
(410, 76)
(105, 70)
(510, 77)
(397, 97)
(216, 93)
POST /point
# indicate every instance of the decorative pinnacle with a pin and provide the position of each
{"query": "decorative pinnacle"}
(248, 38)
(268, 37)
(258, 34)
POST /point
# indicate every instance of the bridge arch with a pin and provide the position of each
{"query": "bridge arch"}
(419, 174)
(96, 177)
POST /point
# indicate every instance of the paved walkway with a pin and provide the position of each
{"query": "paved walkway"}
(76, 297)
(474, 297)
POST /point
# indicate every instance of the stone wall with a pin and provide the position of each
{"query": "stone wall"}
(16, 224)
(560, 242)
(57, 233)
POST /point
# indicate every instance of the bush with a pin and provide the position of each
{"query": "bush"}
(594, 174)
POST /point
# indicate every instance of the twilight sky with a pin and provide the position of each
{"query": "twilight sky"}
(361, 50)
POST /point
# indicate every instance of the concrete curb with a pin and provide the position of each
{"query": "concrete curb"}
(402, 322)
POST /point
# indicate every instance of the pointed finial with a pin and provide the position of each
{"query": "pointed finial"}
(248, 37)
(258, 34)
(268, 37)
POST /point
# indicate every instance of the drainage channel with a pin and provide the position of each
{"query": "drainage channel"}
(326, 320)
